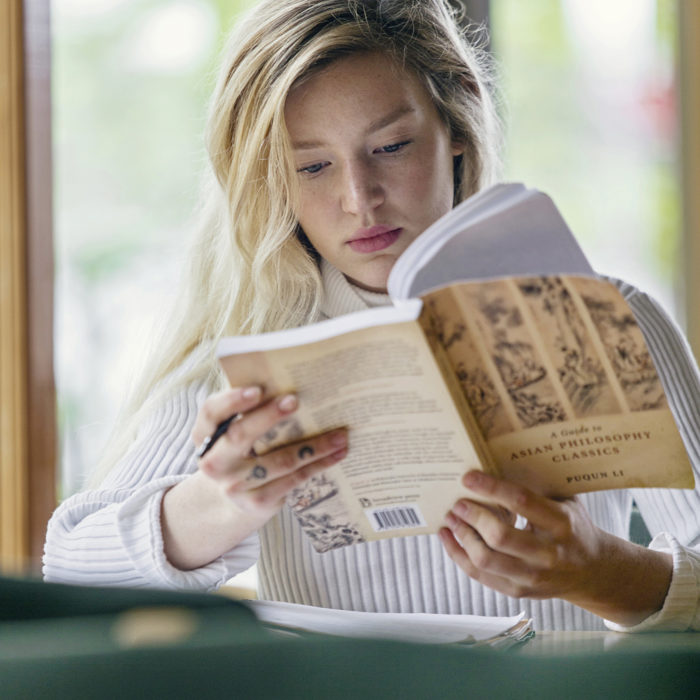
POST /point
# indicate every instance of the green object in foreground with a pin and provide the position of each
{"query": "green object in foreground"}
(116, 643)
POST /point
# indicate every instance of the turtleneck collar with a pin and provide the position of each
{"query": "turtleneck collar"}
(342, 297)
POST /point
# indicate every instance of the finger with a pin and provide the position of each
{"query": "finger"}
(543, 513)
(237, 442)
(480, 554)
(462, 559)
(222, 405)
(501, 513)
(274, 493)
(501, 536)
(243, 433)
(291, 458)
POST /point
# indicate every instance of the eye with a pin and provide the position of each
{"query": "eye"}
(392, 148)
(312, 169)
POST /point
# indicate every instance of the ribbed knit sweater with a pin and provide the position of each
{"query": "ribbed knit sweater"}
(112, 535)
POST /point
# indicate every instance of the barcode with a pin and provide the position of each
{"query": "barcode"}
(395, 517)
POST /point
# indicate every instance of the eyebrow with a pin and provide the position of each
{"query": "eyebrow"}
(375, 125)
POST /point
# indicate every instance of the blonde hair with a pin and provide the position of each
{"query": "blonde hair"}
(251, 268)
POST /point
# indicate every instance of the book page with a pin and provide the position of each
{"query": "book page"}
(424, 628)
(561, 383)
(408, 448)
(408, 310)
(505, 230)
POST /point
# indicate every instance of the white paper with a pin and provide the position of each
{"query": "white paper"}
(407, 627)
(505, 230)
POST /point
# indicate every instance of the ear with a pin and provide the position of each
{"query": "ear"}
(457, 149)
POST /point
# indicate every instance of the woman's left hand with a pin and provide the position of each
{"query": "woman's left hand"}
(559, 554)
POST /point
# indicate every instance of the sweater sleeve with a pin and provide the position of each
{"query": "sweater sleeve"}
(112, 536)
(672, 515)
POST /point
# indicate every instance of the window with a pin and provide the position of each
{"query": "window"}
(590, 92)
(131, 80)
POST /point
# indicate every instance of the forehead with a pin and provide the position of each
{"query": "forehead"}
(355, 88)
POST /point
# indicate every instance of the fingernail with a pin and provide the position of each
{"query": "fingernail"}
(339, 439)
(340, 454)
(461, 509)
(251, 392)
(287, 403)
(472, 479)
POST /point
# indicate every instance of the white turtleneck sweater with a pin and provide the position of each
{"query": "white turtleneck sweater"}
(112, 535)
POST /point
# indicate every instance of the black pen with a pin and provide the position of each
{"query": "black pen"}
(210, 440)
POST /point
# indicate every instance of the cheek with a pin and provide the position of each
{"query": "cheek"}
(432, 171)
(313, 217)
(430, 183)
(310, 206)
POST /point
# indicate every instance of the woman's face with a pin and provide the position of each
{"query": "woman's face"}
(374, 161)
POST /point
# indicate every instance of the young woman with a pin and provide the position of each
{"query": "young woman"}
(338, 132)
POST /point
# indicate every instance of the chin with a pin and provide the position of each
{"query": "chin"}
(373, 275)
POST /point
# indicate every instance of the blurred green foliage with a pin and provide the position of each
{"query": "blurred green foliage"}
(128, 139)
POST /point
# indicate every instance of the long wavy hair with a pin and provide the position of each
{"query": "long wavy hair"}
(251, 269)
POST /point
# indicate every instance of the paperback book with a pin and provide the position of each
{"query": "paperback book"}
(502, 351)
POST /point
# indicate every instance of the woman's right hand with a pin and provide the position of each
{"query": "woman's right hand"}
(259, 485)
(235, 492)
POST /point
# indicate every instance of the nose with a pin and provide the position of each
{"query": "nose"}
(361, 189)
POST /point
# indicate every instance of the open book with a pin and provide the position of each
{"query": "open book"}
(426, 628)
(503, 351)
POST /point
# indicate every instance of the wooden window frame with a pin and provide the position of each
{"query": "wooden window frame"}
(28, 451)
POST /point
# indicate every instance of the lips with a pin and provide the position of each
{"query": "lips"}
(373, 239)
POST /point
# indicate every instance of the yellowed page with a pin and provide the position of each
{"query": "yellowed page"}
(408, 446)
(561, 384)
